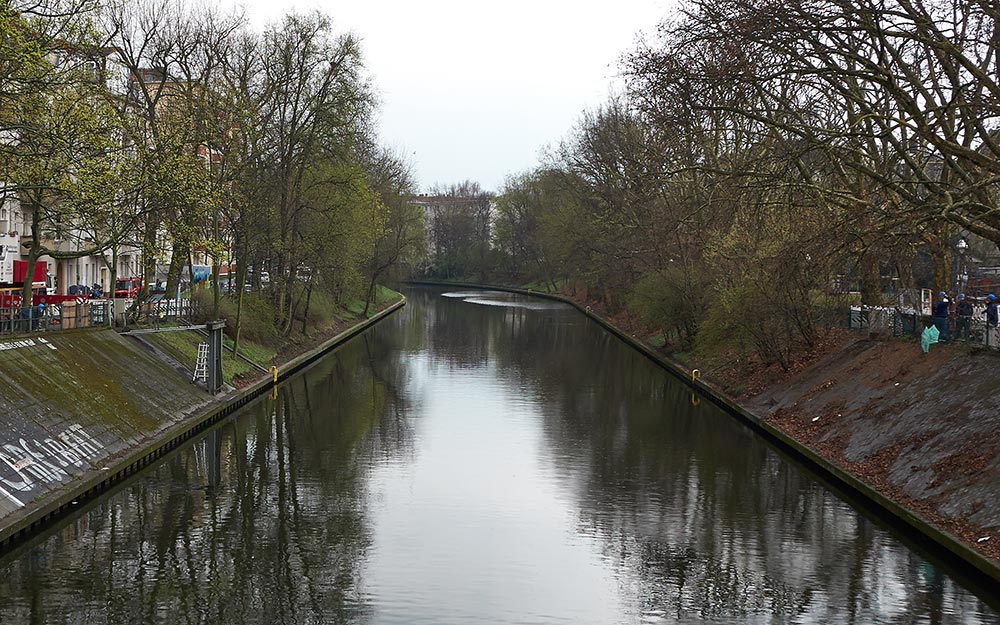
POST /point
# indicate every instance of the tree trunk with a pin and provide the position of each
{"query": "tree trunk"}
(190, 264)
(305, 313)
(216, 294)
(241, 274)
(176, 264)
(26, 289)
(33, 254)
(871, 278)
(941, 255)
(113, 272)
(286, 328)
(148, 257)
(371, 292)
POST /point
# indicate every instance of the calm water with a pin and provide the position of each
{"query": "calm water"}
(488, 459)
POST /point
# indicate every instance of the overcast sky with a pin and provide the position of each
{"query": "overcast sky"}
(474, 90)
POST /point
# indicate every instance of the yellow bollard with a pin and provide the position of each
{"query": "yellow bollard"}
(274, 373)
(695, 374)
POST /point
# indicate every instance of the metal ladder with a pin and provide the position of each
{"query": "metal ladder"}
(201, 367)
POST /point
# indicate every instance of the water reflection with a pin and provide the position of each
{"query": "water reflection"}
(504, 299)
(467, 463)
(261, 521)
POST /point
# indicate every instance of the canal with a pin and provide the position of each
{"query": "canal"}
(478, 458)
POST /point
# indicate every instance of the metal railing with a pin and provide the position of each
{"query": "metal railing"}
(158, 312)
(65, 316)
(69, 315)
(894, 322)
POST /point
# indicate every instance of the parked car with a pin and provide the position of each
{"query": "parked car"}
(128, 287)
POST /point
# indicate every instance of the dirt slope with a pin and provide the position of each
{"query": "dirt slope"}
(922, 428)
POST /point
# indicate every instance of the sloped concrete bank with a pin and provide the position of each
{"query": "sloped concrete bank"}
(907, 429)
(85, 409)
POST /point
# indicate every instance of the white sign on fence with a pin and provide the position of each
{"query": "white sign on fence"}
(925, 302)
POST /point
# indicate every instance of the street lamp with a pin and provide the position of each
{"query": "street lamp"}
(961, 247)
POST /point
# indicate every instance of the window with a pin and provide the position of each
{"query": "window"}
(90, 68)
(6, 215)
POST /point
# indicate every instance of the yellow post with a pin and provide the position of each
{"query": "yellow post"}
(695, 374)
(274, 373)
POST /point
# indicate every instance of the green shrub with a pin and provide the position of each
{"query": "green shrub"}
(322, 309)
(672, 300)
(257, 322)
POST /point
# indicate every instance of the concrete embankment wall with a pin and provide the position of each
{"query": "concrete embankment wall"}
(887, 442)
(72, 404)
(82, 410)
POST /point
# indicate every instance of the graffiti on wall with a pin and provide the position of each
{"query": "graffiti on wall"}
(26, 464)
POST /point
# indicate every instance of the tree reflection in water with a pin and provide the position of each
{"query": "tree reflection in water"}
(262, 520)
(287, 512)
(699, 517)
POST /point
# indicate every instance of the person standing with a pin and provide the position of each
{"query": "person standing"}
(941, 312)
(991, 319)
(963, 312)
